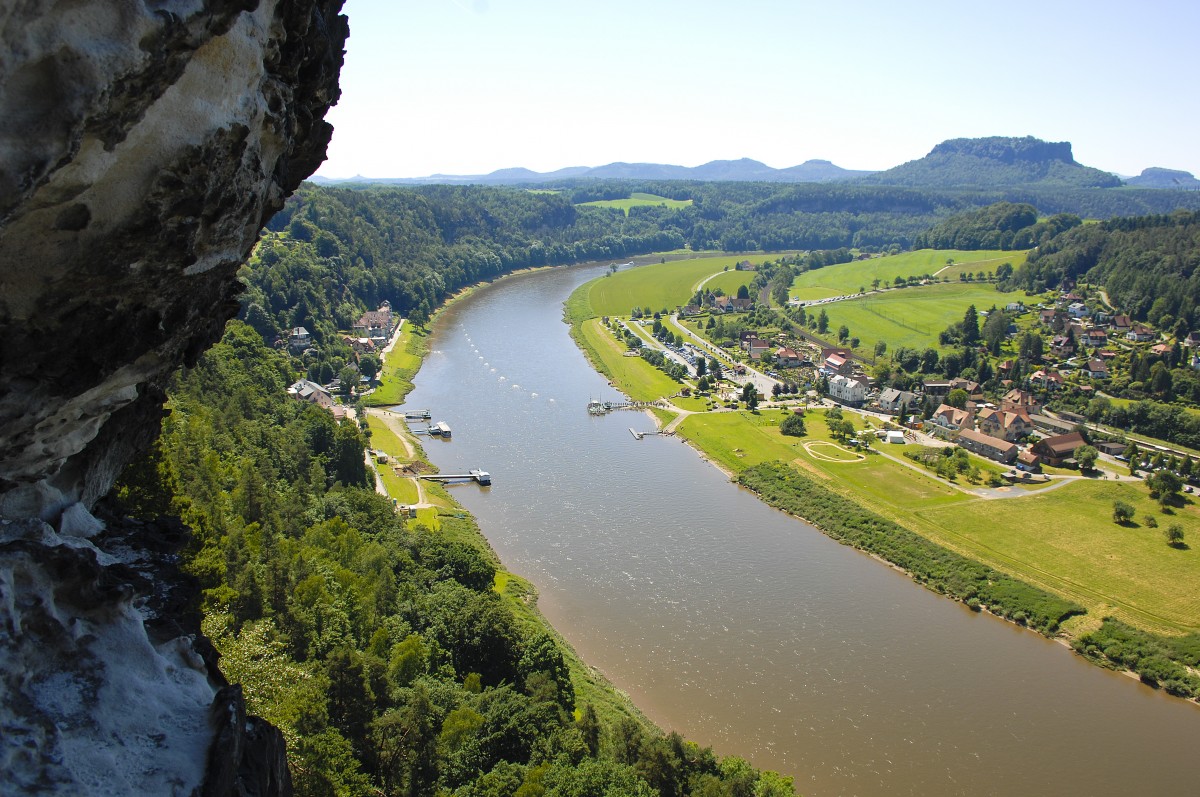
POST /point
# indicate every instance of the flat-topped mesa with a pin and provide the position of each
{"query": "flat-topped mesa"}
(143, 147)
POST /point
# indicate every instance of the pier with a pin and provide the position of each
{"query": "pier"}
(601, 407)
(417, 415)
(482, 477)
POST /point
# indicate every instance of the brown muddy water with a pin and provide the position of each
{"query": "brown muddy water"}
(745, 629)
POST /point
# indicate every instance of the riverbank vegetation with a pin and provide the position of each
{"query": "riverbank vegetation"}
(395, 656)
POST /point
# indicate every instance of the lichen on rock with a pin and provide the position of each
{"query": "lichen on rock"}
(144, 145)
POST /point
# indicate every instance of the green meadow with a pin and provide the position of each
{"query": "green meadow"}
(659, 285)
(1065, 540)
(846, 278)
(637, 200)
(910, 317)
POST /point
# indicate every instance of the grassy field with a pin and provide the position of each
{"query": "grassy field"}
(1063, 540)
(657, 286)
(637, 200)
(640, 380)
(399, 368)
(730, 281)
(1066, 541)
(847, 278)
(910, 317)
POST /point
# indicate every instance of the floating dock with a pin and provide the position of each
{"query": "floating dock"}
(417, 415)
(482, 477)
(440, 429)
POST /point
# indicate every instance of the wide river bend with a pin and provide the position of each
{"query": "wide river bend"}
(745, 629)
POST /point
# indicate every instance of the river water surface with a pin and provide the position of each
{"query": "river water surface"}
(745, 629)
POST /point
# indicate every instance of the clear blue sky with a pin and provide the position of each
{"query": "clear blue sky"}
(470, 86)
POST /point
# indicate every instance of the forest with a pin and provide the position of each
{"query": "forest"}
(380, 648)
(1147, 265)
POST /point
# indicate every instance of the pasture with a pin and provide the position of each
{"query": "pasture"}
(910, 317)
(658, 286)
(1065, 540)
(847, 278)
(637, 200)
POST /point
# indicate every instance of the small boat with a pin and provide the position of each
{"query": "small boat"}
(595, 407)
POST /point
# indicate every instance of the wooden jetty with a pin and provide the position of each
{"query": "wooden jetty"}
(601, 407)
(480, 476)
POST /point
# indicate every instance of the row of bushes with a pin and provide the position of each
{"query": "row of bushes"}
(1158, 661)
(930, 564)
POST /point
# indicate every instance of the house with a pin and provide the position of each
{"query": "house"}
(845, 390)
(973, 390)
(1140, 333)
(1121, 323)
(1062, 346)
(299, 339)
(837, 364)
(1161, 349)
(1095, 369)
(1095, 338)
(304, 390)
(723, 304)
(1111, 448)
(1047, 316)
(1192, 340)
(375, 324)
(1017, 400)
(742, 305)
(1057, 450)
(987, 446)
(947, 421)
(1047, 380)
(1014, 307)
(757, 347)
(1009, 426)
(787, 358)
(1078, 310)
(1029, 461)
(936, 388)
(892, 400)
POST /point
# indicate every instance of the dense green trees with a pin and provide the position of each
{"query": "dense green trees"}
(382, 651)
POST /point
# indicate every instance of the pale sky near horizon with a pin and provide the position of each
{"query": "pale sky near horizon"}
(471, 86)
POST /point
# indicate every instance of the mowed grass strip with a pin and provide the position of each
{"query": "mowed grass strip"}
(911, 317)
(640, 380)
(847, 278)
(1066, 541)
(637, 199)
(400, 365)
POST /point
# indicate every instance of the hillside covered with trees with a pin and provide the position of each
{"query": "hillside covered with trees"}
(380, 647)
(1147, 265)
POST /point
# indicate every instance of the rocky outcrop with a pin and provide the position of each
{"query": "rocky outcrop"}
(144, 145)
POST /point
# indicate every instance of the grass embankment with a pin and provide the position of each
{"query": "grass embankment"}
(930, 564)
(447, 517)
(637, 199)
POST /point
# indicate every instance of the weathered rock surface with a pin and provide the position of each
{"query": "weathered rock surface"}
(142, 147)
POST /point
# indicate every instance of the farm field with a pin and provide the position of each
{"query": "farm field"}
(1066, 541)
(656, 286)
(637, 200)
(911, 317)
(847, 278)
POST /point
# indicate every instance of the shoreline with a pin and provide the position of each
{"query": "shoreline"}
(1061, 634)
(589, 681)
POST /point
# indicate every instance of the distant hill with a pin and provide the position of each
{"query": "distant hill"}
(996, 163)
(743, 170)
(1156, 177)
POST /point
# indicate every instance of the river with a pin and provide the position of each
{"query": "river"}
(745, 629)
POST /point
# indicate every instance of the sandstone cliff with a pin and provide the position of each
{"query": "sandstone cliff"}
(142, 147)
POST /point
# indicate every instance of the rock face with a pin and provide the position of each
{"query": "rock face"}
(144, 144)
